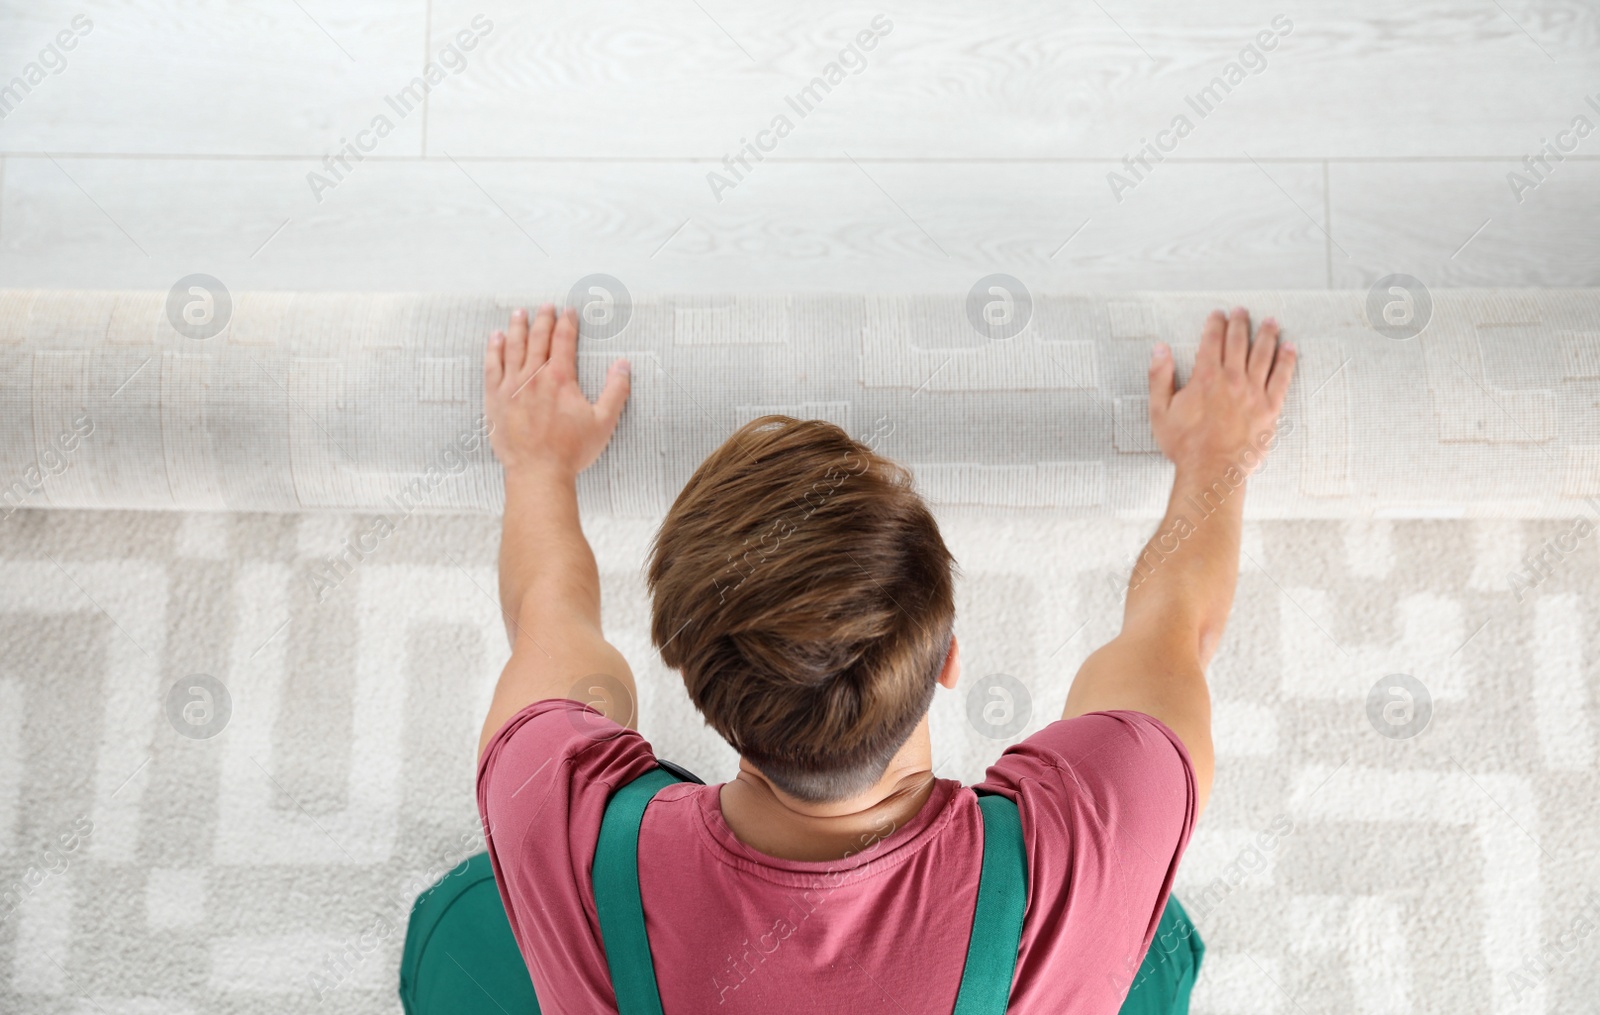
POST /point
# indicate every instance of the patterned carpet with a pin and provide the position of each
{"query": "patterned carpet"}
(253, 846)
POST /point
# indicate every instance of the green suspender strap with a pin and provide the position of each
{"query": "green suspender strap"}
(997, 920)
(616, 895)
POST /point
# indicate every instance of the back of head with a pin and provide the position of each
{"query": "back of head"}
(800, 586)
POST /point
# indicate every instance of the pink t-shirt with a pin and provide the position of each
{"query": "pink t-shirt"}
(1107, 801)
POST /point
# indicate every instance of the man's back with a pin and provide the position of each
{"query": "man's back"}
(1106, 801)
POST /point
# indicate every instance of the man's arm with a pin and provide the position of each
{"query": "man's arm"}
(1216, 430)
(544, 432)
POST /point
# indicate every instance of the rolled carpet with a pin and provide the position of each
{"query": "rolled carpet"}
(1465, 403)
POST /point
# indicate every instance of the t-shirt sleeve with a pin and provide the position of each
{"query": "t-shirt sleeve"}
(543, 783)
(1107, 802)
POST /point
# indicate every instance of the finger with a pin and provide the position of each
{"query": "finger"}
(615, 394)
(1209, 356)
(519, 324)
(1282, 374)
(539, 336)
(1263, 350)
(1236, 347)
(564, 342)
(516, 342)
(1162, 374)
(494, 366)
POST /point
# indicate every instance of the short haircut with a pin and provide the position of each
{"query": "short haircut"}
(801, 588)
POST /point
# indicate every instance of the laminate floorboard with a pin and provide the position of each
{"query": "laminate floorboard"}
(565, 140)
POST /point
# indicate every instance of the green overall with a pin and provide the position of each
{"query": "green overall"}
(460, 955)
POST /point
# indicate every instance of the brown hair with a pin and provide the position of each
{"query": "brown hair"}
(800, 586)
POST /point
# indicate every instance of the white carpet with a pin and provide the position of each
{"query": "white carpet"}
(234, 874)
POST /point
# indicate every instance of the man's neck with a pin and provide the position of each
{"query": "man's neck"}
(770, 821)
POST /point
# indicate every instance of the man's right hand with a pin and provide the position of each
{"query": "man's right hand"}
(1216, 429)
(1232, 400)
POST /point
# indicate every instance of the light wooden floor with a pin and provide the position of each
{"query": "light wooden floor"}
(977, 138)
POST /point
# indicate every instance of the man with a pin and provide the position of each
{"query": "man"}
(801, 589)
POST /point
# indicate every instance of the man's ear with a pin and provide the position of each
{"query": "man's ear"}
(952, 665)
